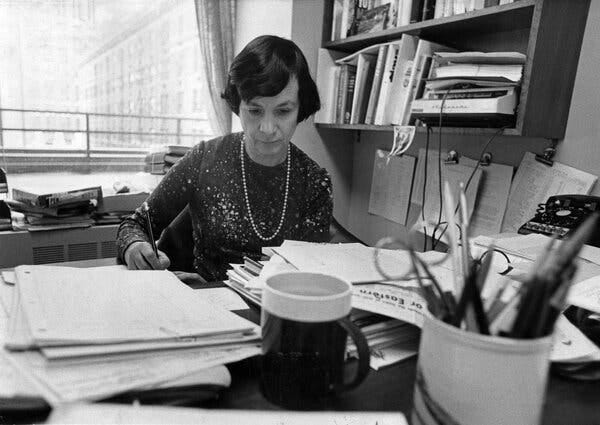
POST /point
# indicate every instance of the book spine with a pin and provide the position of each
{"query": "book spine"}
(416, 10)
(24, 196)
(349, 93)
(337, 19)
(439, 9)
(341, 94)
(467, 95)
(376, 86)
(399, 98)
(421, 76)
(58, 199)
(386, 82)
(448, 7)
(428, 10)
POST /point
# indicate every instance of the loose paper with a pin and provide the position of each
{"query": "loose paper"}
(123, 414)
(391, 185)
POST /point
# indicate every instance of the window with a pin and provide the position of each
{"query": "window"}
(107, 57)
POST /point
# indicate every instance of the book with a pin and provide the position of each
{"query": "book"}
(376, 86)
(404, 12)
(341, 94)
(177, 149)
(477, 93)
(155, 158)
(157, 169)
(511, 72)
(58, 198)
(386, 81)
(398, 89)
(72, 209)
(364, 80)
(336, 22)
(349, 93)
(422, 73)
(422, 61)
(395, 108)
(328, 80)
(369, 20)
(439, 9)
(348, 10)
(416, 11)
(428, 10)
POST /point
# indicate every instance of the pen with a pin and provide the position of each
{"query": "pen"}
(146, 211)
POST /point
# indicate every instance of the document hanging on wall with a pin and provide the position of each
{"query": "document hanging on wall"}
(391, 186)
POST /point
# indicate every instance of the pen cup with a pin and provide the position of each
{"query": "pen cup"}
(469, 378)
(305, 326)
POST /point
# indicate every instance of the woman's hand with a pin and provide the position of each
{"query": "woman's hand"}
(140, 256)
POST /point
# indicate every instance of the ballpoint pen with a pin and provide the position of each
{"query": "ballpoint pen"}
(146, 211)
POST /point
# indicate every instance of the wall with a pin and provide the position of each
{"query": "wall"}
(258, 17)
(581, 147)
(332, 149)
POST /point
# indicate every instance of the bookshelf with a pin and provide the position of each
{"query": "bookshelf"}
(548, 32)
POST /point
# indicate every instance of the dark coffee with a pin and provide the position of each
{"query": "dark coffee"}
(302, 362)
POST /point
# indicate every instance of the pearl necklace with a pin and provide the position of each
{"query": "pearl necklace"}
(285, 199)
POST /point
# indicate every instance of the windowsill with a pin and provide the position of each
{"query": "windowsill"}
(62, 181)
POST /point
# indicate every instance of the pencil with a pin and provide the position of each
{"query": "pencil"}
(451, 223)
(146, 211)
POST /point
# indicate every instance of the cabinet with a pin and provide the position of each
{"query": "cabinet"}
(548, 32)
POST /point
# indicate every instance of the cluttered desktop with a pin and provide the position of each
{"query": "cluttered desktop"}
(391, 325)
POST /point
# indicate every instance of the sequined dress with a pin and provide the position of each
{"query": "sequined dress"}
(209, 179)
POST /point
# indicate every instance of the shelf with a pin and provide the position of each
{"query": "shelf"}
(515, 16)
(467, 131)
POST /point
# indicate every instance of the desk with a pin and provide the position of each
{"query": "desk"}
(391, 389)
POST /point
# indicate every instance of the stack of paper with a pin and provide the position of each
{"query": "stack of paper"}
(390, 340)
(85, 334)
(381, 310)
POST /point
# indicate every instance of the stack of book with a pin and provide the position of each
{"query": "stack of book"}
(76, 340)
(72, 208)
(159, 162)
(471, 88)
(114, 208)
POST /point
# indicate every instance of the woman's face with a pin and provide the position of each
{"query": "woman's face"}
(269, 123)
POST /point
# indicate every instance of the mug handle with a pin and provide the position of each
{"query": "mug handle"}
(364, 354)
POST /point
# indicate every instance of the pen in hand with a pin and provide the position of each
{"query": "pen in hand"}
(146, 211)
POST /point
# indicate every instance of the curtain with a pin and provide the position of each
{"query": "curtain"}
(216, 27)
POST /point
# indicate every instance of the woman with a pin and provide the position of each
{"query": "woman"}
(245, 190)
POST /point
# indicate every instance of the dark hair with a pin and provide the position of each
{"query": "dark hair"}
(264, 67)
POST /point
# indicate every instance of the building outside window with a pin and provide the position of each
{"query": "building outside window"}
(71, 60)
